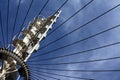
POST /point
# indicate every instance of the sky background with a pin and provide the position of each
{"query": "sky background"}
(94, 9)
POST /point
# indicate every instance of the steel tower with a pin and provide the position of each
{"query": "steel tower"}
(24, 45)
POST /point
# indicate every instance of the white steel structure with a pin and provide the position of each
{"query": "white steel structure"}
(25, 46)
(36, 31)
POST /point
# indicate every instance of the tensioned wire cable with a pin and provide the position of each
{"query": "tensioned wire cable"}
(49, 76)
(33, 77)
(15, 20)
(17, 14)
(65, 21)
(43, 7)
(37, 15)
(62, 6)
(1, 25)
(7, 22)
(77, 70)
(84, 51)
(21, 26)
(78, 29)
(69, 18)
(53, 14)
(89, 37)
(78, 62)
(39, 71)
(37, 74)
(28, 12)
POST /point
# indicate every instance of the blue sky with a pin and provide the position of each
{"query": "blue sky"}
(96, 8)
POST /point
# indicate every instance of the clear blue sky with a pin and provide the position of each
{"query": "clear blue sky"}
(94, 9)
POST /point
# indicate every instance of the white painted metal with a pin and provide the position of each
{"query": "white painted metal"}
(42, 22)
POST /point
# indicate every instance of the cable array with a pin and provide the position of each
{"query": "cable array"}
(62, 75)
(81, 26)
(87, 38)
(80, 62)
(22, 25)
(39, 72)
(69, 18)
(14, 25)
(75, 70)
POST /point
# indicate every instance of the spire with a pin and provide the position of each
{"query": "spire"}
(36, 31)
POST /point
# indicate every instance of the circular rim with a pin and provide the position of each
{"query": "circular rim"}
(19, 60)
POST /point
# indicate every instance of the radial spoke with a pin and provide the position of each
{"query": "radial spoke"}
(2, 28)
